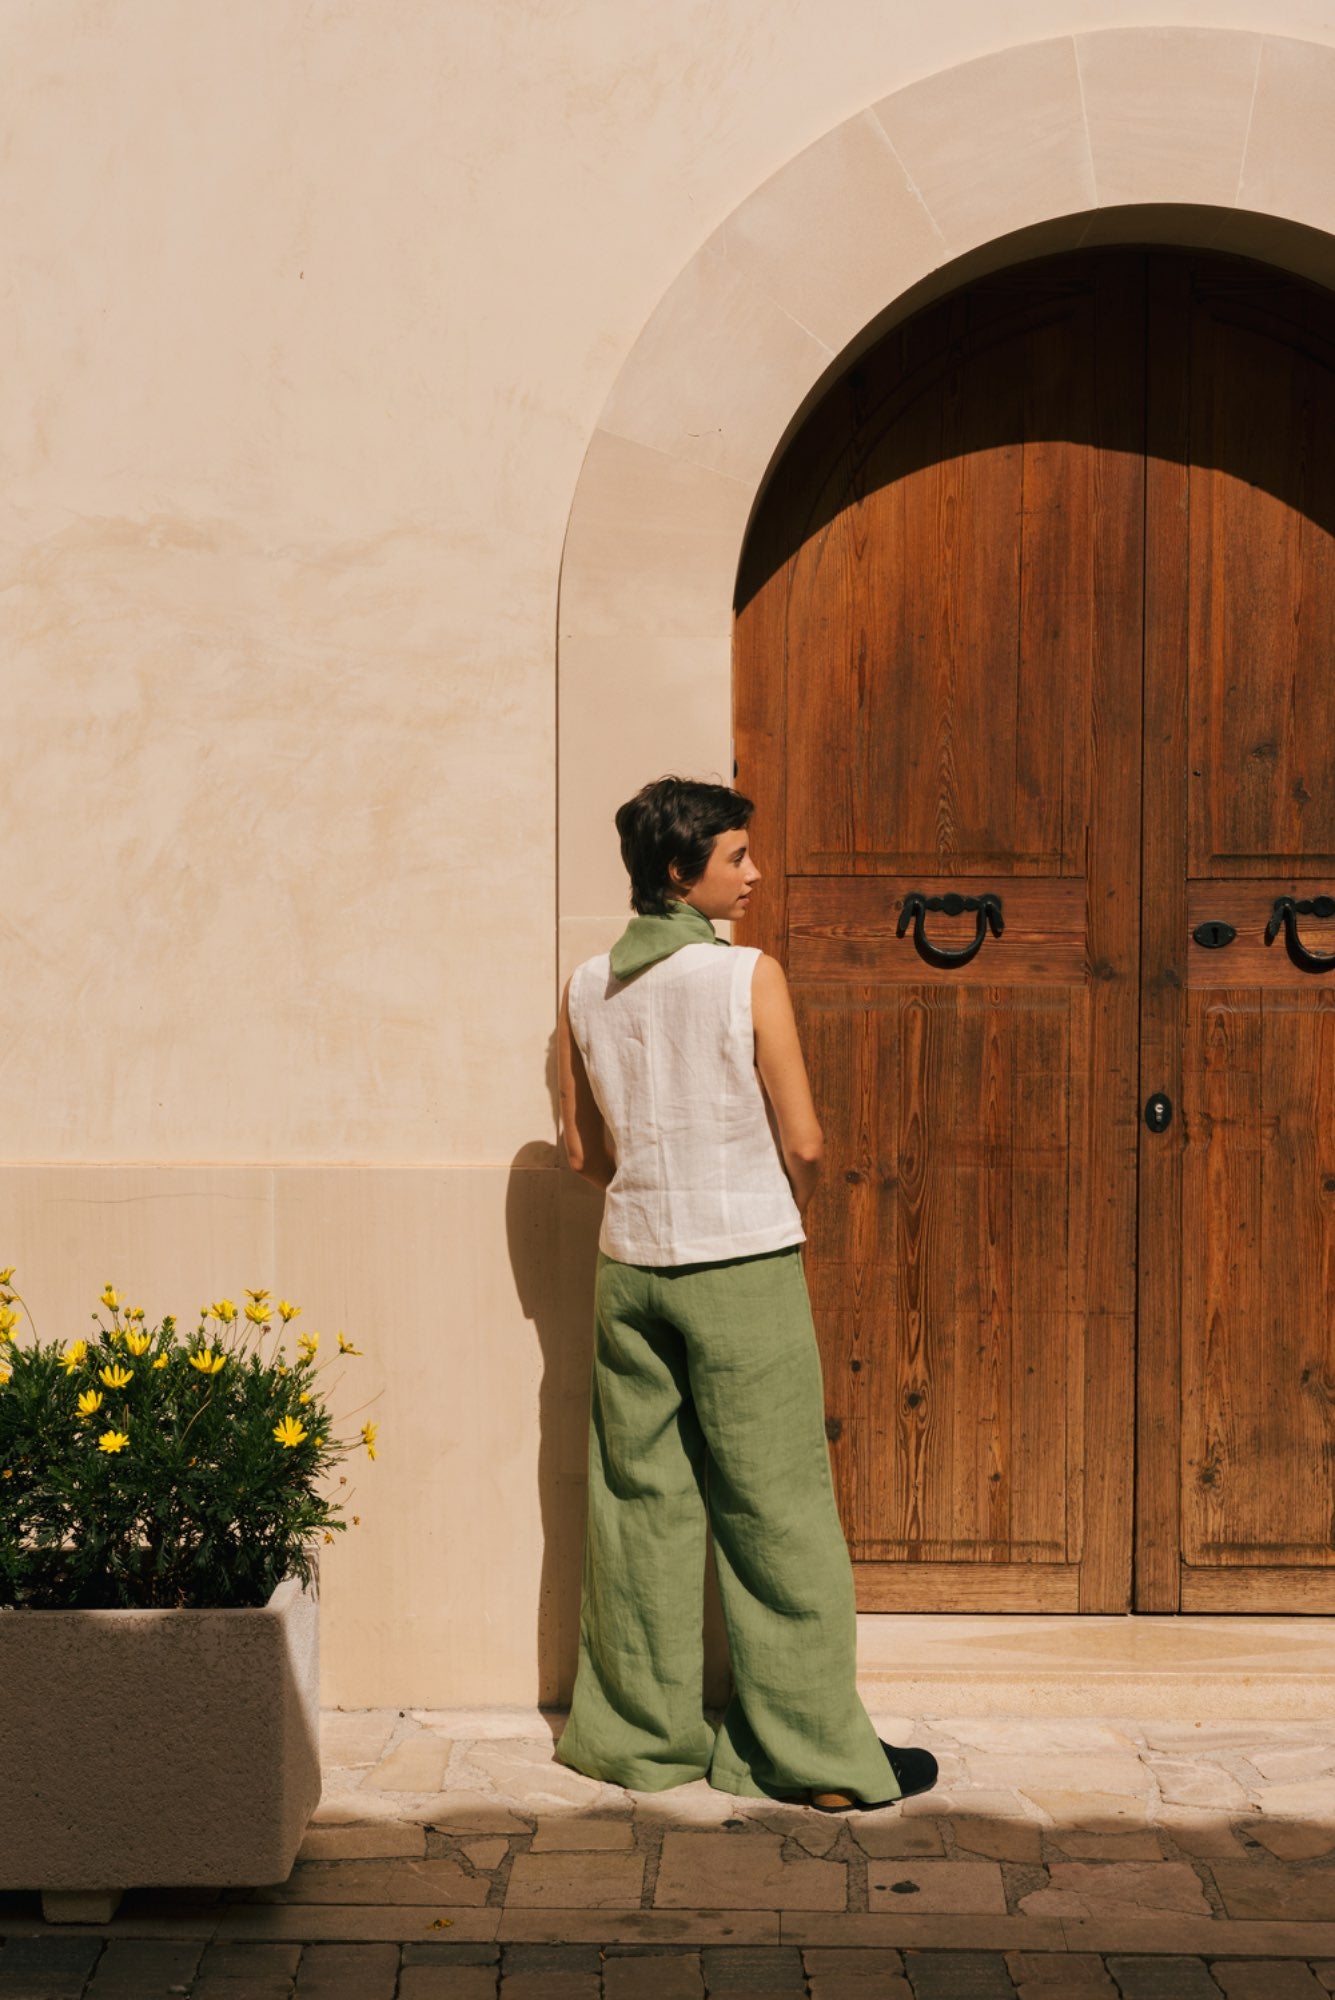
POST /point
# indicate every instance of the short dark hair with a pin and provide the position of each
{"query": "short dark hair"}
(673, 819)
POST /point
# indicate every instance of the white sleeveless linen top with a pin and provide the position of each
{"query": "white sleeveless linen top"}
(670, 1054)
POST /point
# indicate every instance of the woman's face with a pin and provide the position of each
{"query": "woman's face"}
(730, 874)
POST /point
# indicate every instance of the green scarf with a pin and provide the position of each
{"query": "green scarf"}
(647, 939)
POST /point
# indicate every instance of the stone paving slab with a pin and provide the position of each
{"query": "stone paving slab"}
(728, 1968)
(1064, 1976)
(1266, 1979)
(362, 1923)
(1173, 1978)
(643, 1926)
(403, 1879)
(872, 1927)
(596, 1880)
(929, 1887)
(428, 1982)
(659, 1978)
(1197, 1937)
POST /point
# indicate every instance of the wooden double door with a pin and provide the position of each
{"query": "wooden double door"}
(1038, 612)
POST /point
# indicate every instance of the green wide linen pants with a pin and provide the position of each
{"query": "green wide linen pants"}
(707, 1400)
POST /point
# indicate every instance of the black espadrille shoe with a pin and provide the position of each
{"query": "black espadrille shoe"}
(915, 1771)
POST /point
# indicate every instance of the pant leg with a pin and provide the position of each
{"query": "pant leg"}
(795, 1719)
(637, 1717)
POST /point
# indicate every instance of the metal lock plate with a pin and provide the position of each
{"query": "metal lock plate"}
(1214, 935)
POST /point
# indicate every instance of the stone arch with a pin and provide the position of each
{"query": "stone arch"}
(1204, 137)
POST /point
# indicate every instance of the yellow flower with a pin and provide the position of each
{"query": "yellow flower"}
(368, 1438)
(307, 1344)
(75, 1352)
(9, 1319)
(90, 1401)
(115, 1377)
(287, 1310)
(5, 1374)
(224, 1310)
(110, 1298)
(113, 1441)
(207, 1362)
(259, 1297)
(258, 1315)
(346, 1346)
(138, 1343)
(7, 1273)
(328, 1537)
(303, 1397)
(281, 1369)
(290, 1432)
(162, 1360)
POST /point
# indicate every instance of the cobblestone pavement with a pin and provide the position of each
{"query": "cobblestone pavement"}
(452, 1856)
(70, 1968)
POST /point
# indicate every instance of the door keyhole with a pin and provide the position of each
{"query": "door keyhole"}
(1159, 1112)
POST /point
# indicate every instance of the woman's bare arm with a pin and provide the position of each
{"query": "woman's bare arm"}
(784, 1076)
(582, 1127)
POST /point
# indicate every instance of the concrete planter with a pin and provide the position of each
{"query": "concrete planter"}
(143, 1749)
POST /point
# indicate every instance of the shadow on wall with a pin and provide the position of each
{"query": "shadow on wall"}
(552, 1219)
(876, 422)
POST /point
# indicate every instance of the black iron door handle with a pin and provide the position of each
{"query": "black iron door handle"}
(915, 911)
(1286, 911)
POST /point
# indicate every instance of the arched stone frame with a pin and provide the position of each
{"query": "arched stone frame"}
(1199, 136)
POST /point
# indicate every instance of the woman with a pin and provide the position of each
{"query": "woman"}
(706, 1397)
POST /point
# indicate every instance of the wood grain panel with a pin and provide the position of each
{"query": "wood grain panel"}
(926, 1359)
(922, 1586)
(1221, 1294)
(1249, 960)
(844, 928)
(1279, 1591)
(1259, 1354)
(922, 732)
(851, 1277)
(1262, 575)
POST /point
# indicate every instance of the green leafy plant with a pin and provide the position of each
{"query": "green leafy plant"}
(140, 1467)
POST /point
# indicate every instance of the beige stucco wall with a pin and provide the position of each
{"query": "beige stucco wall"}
(316, 318)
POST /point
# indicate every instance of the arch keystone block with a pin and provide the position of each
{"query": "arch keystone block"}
(997, 143)
(1167, 107)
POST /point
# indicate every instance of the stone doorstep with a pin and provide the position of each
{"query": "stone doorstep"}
(958, 1664)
